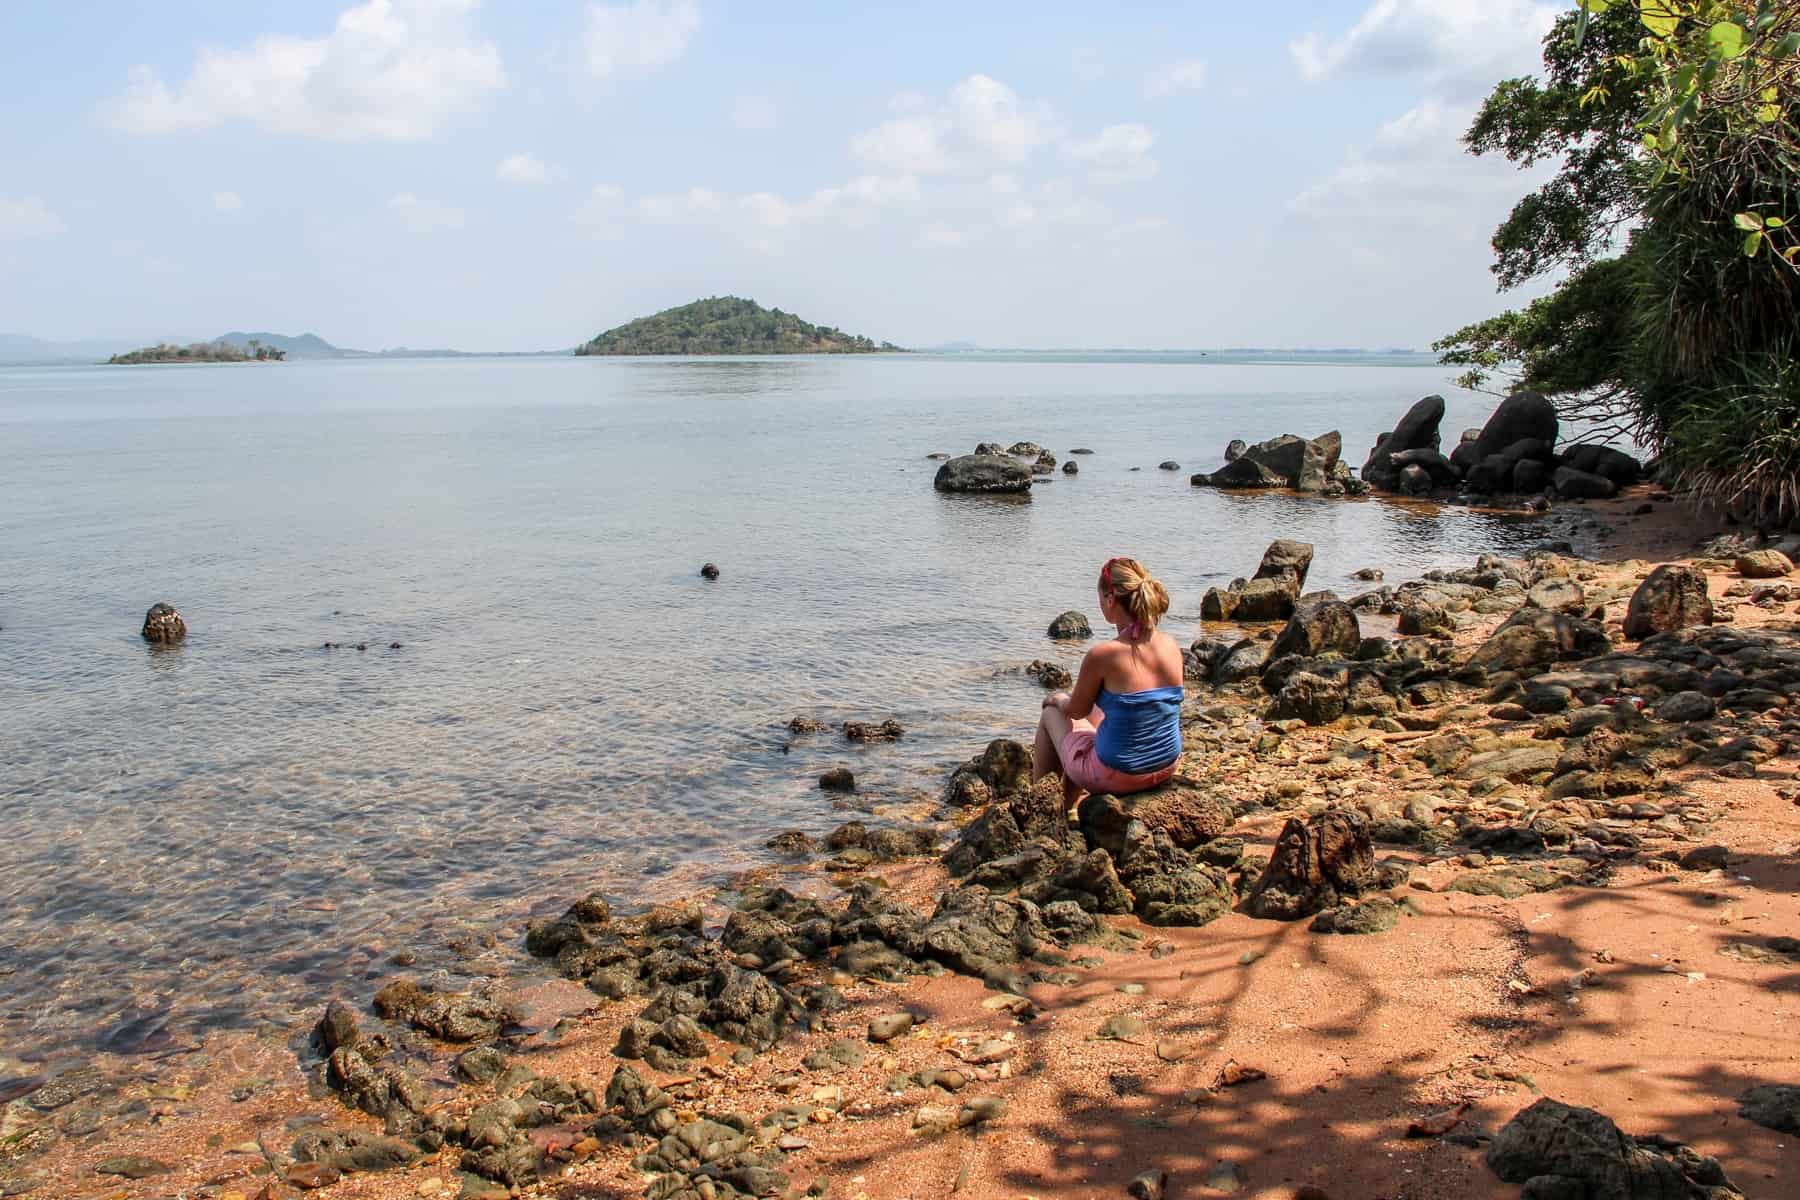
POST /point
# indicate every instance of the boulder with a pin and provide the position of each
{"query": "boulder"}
(1319, 627)
(1443, 472)
(1240, 472)
(1463, 453)
(1761, 564)
(1417, 430)
(1556, 1149)
(1521, 415)
(1673, 597)
(1580, 485)
(1558, 593)
(1168, 885)
(989, 448)
(1234, 449)
(1772, 1105)
(1621, 468)
(1181, 810)
(1413, 481)
(1286, 559)
(983, 473)
(1245, 660)
(1070, 626)
(1536, 637)
(1069, 468)
(1168, 464)
(1489, 475)
(1310, 698)
(1025, 449)
(163, 625)
(1316, 864)
(1530, 476)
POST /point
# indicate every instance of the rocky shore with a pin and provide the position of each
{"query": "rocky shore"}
(1475, 883)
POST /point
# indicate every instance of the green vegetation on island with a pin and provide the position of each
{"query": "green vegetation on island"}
(1674, 213)
(199, 352)
(728, 325)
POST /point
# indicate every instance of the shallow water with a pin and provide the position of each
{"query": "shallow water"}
(217, 834)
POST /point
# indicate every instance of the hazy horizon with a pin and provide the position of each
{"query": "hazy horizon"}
(441, 173)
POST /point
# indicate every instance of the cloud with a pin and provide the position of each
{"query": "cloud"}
(28, 217)
(424, 216)
(754, 217)
(755, 114)
(1175, 79)
(390, 70)
(634, 39)
(525, 169)
(1460, 46)
(227, 202)
(980, 126)
(1120, 154)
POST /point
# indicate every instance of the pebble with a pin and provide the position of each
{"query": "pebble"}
(887, 1028)
(1226, 1177)
(981, 1110)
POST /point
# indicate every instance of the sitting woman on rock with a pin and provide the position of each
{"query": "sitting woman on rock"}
(1120, 731)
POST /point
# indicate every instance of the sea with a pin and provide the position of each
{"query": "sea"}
(451, 661)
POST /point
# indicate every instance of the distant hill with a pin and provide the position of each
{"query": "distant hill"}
(19, 348)
(727, 325)
(305, 345)
(197, 352)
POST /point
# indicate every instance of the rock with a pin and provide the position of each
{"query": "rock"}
(1554, 1142)
(1044, 463)
(1069, 626)
(1170, 886)
(889, 730)
(1377, 915)
(1530, 476)
(1421, 617)
(1149, 1185)
(1521, 416)
(449, 1016)
(1245, 660)
(132, 1166)
(1235, 448)
(981, 1110)
(886, 1028)
(1070, 468)
(1772, 1105)
(1673, 597)
(1168, 464)
(1288, 560)
(1316, 863)
(1319, 627)
(1286, 461)
(983, 473)
(483, 1064)
(1579, 485)
(1706, 858)
(1417, 430)
(1536, 637)
(1181, 809)
(1686, 706)
(1413, 481)
(1558, 594)
(1761, 564)
(1442, 471)
(1025, 449)
(1310, 698)
(709, 571)
(163, 625)
(338, 1027)
(744, 1007)
(1081, 450)
(1240, 473)
(838, 779)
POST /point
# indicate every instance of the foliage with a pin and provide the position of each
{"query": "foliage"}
(727, 325)
(1674, 120)
(199, 352)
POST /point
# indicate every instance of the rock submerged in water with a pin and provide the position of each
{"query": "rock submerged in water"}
(163, 626)
(1271, 594)
(1288, 461)
(837, 779)
(1052, 676)
(1417, 430)
(1070, 626)
(867, 731)
(709, 571)
(991, 473)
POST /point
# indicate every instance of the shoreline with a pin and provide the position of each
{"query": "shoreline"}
(1083, 1116)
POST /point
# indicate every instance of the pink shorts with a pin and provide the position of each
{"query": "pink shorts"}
(1082, 767)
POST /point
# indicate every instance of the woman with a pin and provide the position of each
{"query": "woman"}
(1120, 731)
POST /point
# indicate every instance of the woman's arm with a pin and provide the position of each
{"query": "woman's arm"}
(1087, 684)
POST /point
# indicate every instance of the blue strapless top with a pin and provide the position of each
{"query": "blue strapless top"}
(1142, 730)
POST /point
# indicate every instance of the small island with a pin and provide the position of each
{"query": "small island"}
(728, 325)
(199, 352)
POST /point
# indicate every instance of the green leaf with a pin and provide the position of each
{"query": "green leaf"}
(1651, 141)
(1774, 223)
(1768, 114)
(1747, 221)
(1660, 17)
(1726, 39)
(1788, 46)
(1752, 243)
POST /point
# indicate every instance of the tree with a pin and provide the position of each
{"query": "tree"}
(1674, 123)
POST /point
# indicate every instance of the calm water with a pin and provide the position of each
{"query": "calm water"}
(221, 833)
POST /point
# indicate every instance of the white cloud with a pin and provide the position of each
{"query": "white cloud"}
(425, 216)
(981, 125)
(526, 169)
(27, 217)
(637, 38)
(1120, 154)
(227, 202)
(1461, 46)
(755, 114)
(756, 216)
(390, 70)
(1174, 79)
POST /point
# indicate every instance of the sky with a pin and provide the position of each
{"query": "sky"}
(520, 176)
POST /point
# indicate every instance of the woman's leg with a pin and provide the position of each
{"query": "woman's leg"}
(1046, 759)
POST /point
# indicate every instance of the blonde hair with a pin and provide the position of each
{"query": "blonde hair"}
(1132, 586)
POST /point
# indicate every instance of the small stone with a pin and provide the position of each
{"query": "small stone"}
(837, 779)
(886, 1028)
(1226, 1177)
(132, 1166)
(1121, 1027)
(313, 1175)
(1148, 1185)
(709, 571)
(981, 1110)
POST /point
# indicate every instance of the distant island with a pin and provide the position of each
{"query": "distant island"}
(728, 325)
(200, 352)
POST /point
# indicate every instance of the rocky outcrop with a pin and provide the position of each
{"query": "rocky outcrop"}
(1559, 1150)
(1289, 461)
(1673, 597)
(1316, 864)
(1416, 431)
(983, 473)
(1521, 417)
(163, 625)
(1271, 594)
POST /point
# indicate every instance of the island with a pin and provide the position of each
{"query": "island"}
(728, 325)
(199, 352)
